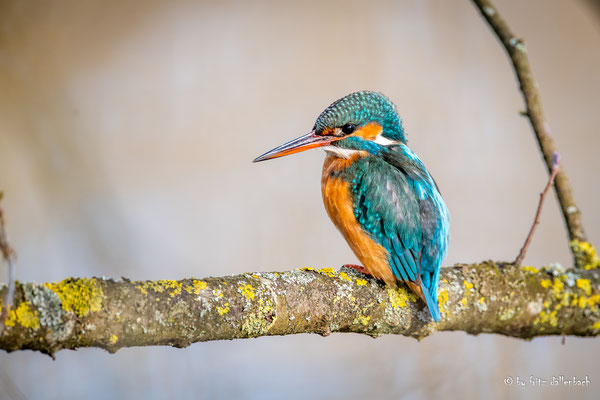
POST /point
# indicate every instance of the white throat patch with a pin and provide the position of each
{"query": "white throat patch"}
(339, 152)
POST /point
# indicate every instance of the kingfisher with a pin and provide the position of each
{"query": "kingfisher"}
(378, 193)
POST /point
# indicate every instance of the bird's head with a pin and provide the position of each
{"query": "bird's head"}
(361, 121)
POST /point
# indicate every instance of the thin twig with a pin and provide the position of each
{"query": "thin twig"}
(517, 52)
(8, 254)
(536, 221)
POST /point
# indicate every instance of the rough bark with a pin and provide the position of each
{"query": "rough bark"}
(480, 298)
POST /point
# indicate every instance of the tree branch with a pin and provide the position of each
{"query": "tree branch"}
(583, 253)
(519, 302)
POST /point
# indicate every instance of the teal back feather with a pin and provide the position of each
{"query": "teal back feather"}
(397, 203)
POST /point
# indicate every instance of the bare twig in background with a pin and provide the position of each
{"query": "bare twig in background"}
(8, 254)
(519, 302)
(536, 220)
(515, 48)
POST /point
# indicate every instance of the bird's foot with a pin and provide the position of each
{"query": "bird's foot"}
(359, 268)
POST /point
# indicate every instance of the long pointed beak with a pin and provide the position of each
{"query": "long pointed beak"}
(308, 141)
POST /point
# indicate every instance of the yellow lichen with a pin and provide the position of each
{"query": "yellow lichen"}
(442, 300)
(163, 285)
(557, 288)
(195, 287)
(591, 301)
(585, 254)
(558, 291)
(563, 299)
(176, 286)
(585, 285)
(258, 323)
(141, 289)
(330, 272)
(481, 300)
(345, 276)
(361, 319)
(113, 339)
(398, 298)
(596, 325)
(531, 269)
(223, 310)
(11, 319)
(80, 296)
(547, 318)
(546, 283)
(468, 285)
(464, 302)
(412, 296)
(265, 308)
(361, 282)
(307, 269)
(25, 316)
(247, 291)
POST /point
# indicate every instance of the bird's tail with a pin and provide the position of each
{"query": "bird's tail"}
(431, 304)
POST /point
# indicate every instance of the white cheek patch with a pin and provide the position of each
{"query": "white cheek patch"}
(380, 139)
(339, 152)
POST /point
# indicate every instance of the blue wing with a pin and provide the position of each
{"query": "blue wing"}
(397, 202)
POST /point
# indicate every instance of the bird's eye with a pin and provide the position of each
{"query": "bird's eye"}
(348, 128)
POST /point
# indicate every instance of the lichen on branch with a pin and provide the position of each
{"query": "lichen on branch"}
(111, 314)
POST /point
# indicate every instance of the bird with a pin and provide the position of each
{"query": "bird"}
(378, 193)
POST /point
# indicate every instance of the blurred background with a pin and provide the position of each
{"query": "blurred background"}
(127, 131)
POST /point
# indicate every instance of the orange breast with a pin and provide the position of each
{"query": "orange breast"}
(338, 203)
